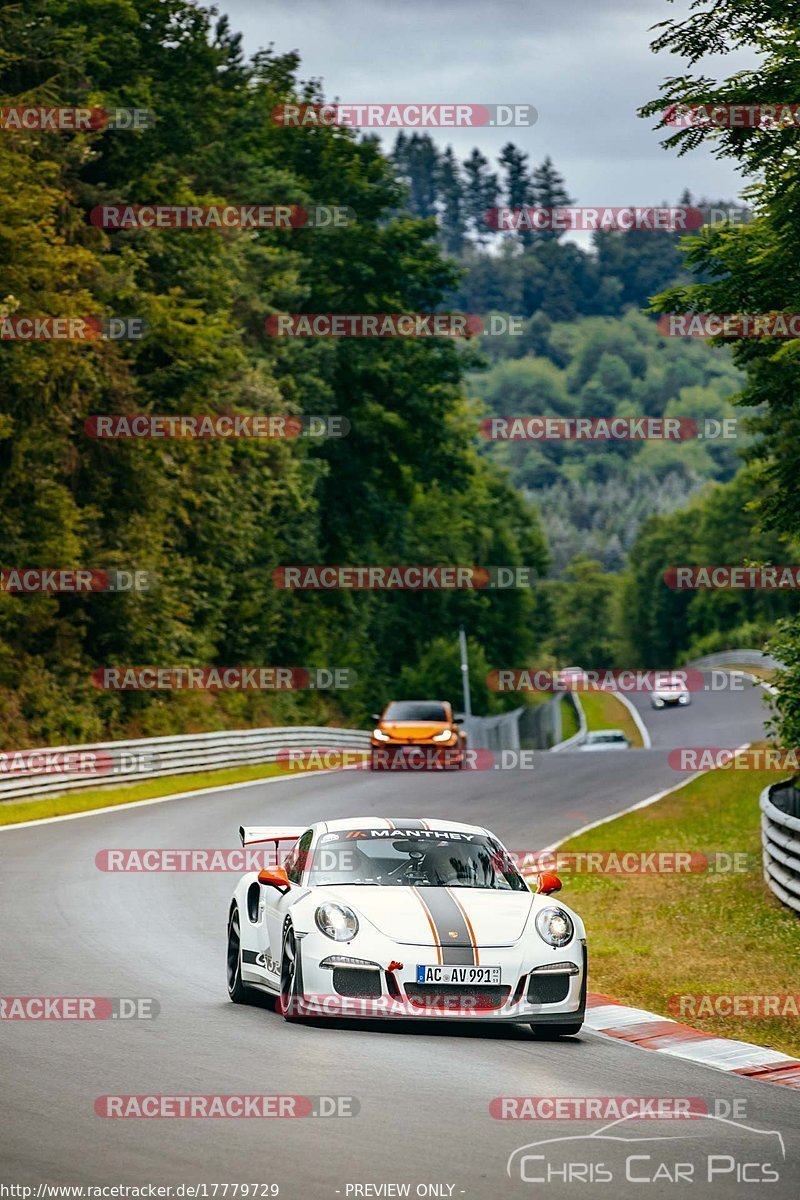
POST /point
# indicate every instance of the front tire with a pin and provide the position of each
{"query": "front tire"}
(291, 976)
(238, 991)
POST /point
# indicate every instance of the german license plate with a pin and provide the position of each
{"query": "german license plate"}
(463, 975)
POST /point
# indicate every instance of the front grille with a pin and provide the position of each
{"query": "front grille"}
(350, 982)
(453, 995)
(548, 989)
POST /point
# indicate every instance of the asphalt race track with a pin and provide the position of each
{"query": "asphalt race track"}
(424, 1091)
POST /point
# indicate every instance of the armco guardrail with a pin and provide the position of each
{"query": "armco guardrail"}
(780, 838)
(105, 764)
(494, 733)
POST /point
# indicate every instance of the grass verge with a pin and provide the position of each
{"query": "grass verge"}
(767, 674)
(569, 719)
(15, 811)
(604, 710)
(653, 936)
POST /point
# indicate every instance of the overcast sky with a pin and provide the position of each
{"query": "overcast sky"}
(584, 64)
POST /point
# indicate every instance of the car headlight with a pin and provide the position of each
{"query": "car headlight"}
(337, 921)
(555, 926)
(444, 736)
(683, 699)
(380, 736)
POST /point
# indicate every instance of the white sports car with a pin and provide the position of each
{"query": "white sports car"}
(669, 696)
(409, 918)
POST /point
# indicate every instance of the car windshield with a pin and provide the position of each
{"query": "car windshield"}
(415, 710)
(602, 738)
(413, 859)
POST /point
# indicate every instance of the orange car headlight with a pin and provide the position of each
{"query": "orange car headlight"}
(380, 736)
(444, 736)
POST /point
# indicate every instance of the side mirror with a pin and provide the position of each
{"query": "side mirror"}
(375, 717)
(275, 877)
(458, 720)
(548, 882)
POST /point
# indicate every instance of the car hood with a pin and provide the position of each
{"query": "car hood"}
(411, 915)
(415, 729)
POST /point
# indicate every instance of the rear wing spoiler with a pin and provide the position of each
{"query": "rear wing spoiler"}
(253, 834)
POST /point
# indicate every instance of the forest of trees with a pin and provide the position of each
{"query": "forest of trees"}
(412, 482)
(526, 271)
(754, 517)
(210, 520)
(594, 496)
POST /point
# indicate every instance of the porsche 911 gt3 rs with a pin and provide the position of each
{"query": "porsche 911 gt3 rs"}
(670, 696)
(372, 917)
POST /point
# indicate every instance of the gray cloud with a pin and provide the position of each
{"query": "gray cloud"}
(585, 66)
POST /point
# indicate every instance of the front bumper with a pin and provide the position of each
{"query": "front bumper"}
(525, 994)
(419, 756)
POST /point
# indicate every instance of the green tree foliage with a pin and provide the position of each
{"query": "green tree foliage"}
(594, 496)
(584, 616)
(549, 191)
(518, 184)
(536, 272)
(211, 520)
(663, 625)
(753, 268)
(480, 194)
(451, 195)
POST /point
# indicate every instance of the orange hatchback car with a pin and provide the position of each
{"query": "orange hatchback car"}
(416, 734)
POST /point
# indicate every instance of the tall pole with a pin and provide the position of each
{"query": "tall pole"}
(462, 641)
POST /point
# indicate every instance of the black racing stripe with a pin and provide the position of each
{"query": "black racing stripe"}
(250, 956)
(448, 919)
